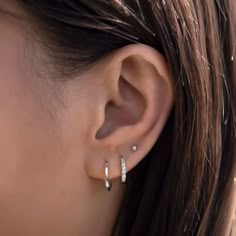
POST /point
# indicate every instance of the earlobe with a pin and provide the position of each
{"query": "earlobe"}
(143, 89)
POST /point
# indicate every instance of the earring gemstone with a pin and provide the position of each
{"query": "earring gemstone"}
(134, 148)
(123, 170)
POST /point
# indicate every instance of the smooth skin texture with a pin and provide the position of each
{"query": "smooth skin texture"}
(55, 138)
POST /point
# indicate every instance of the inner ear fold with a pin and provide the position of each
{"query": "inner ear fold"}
(128, 113)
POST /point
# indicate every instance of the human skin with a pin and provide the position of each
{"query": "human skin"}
(55, 137)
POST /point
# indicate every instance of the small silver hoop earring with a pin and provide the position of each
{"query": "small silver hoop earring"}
(123, 169)
(108, 184)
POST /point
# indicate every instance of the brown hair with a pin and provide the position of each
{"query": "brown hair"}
(186, 189)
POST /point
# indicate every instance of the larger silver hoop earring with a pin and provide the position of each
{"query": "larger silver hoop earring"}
(108, 184)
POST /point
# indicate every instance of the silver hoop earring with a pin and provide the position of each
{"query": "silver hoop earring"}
(123, 169)
(108, 184)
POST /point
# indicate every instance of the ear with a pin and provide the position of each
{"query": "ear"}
(133, 108)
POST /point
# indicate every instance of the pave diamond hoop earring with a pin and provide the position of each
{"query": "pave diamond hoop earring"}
(108, 184)
(134, 148)
(123, 169)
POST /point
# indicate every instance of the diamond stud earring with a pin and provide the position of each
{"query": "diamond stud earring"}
(134, 148)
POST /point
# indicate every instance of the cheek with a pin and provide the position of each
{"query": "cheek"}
(23, 123)
(36, 177)
(33, 169)
(26, 137)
